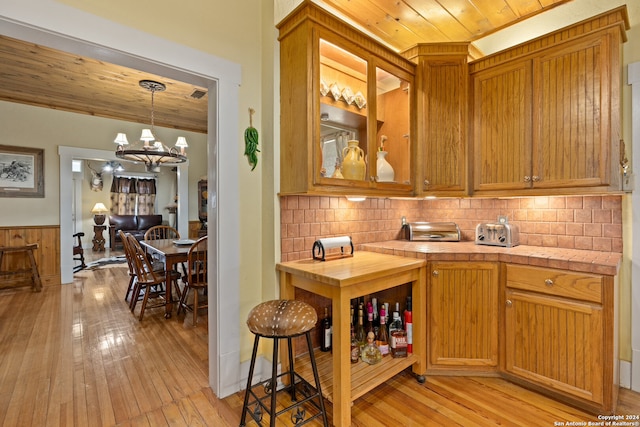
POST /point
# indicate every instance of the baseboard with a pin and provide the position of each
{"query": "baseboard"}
(261, 372)
(635, 370)
(625, 374)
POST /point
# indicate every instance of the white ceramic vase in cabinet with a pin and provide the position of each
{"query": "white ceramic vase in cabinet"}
(384, 169)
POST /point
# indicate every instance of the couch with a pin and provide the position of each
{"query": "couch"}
(137, 225)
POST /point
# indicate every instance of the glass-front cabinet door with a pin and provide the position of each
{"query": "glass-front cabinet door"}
(393, 124)
(364, 136)
(343, 109)
(346, 110)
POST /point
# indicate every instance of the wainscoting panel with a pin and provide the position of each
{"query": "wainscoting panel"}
(47, 255)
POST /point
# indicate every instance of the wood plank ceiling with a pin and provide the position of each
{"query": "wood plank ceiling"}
(45, 77)
(404, 23)
(37, 75)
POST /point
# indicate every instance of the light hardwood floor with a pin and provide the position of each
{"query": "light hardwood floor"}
(75, 356)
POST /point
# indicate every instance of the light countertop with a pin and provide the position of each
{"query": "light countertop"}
(595, 262)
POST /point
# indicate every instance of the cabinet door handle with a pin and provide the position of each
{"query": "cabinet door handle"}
(548, 282)
(435, 273)
(426, 184)
(535, 178)
(527, 178)
(509, 303)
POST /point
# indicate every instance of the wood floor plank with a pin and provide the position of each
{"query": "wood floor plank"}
(173, 415)
(75, 355)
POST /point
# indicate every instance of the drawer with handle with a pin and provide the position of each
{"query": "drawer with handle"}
(581, 286)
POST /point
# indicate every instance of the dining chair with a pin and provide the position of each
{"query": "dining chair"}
(161, 232)
(164, 232)
(148, 281)
(78, 253)
(132, 272)
(195, 278)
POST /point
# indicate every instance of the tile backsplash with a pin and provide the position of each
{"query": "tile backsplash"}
(572, 222)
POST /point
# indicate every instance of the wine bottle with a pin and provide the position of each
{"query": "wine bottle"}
(376, 317)
(386, 310)
(361, 336)
(408, 325)
(325, 345)
(355, 347)
(383, 337)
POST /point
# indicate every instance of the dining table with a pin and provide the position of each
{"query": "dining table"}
(172, 252)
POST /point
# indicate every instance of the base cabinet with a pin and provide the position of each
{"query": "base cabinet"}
(462, 321)
(559, 334)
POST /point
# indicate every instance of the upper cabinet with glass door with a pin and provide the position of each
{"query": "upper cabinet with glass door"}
(346, 115)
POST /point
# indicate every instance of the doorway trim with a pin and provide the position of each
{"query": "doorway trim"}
(62, 27)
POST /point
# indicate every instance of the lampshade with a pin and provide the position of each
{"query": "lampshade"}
(147, 135)
(149, 150)
(121, 139)
(182, 144)
(99, 208)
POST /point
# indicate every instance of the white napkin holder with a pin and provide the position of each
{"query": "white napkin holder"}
(320, 247)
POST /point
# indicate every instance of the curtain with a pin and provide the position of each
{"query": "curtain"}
(133, 196)
(146, 196)
(123, 196)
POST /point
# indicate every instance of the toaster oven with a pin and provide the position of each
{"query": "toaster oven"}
(432, 231)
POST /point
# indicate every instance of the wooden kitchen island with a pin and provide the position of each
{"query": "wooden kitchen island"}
(341, 280)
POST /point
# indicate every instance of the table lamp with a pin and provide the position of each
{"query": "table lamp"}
(99, 209)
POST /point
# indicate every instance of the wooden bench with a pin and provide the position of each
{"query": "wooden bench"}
(33, 269)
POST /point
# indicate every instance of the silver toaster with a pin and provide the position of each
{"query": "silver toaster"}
(497, 234)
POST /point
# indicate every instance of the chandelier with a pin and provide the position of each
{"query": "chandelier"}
(149, 150)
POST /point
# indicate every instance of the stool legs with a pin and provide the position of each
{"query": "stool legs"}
(271, 385)
(247, 390)
(291, 372)
(274, 383)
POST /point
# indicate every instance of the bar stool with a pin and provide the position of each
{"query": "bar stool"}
(283, 319)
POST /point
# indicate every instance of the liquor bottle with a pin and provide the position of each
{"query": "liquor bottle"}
(396, 333)
(396, 321)
(408, 326)
(369, 326)
(361, 337)
(399, 343)
(325, 345)
(383, 336)
(371, 353)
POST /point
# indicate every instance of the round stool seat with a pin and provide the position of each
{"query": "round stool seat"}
(281, 318)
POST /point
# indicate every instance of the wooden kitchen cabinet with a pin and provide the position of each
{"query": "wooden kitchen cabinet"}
(462, 319)
(546, 113)
(337, 85)
(441, 110)
(560, 332)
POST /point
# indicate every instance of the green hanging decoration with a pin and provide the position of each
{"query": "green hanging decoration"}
(251, 142)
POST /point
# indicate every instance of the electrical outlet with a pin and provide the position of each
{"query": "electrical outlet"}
(502, 219)
(404, 221)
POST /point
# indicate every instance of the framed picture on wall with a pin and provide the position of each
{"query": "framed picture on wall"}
(21, 171)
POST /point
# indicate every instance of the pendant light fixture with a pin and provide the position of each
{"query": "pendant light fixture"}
(149, 150)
